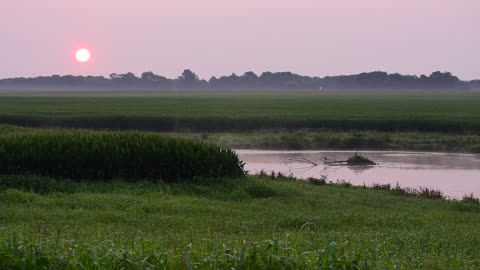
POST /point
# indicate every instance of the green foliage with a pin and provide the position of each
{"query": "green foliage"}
(218, 223)
(470, 199)
(421, 192)
(24, 253)
(318, 181)
(113, 155)
(410, 120)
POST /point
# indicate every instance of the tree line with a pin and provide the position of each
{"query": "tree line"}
(248, 81)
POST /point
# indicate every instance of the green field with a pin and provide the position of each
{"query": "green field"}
(251, 223)
(424, 121)
(237, 111)
(157, 216)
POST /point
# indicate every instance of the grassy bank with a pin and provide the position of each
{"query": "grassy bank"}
(362, 140)
(240, 223)
(223, 111)
(323, 139)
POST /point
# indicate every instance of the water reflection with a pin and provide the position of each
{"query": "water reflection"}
(358, 170)
(454, 174)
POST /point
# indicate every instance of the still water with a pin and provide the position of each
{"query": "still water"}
(454, 174)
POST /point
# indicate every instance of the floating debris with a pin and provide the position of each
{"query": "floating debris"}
(355, 160)
(359, 160)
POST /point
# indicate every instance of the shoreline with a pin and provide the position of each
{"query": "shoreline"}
(258, 218)
(317, 140)
(314, 151)
(322, 140)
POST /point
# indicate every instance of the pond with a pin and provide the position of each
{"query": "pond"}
(454, 174)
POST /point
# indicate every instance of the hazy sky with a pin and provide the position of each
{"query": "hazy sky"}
(218, 37)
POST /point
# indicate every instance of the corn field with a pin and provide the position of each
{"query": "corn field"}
(113, 155)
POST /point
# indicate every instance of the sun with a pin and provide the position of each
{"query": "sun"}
(82, 55)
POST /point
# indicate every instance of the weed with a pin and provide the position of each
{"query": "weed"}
(470, 199)
(318, 181)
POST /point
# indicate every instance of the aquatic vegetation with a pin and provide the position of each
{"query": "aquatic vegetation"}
(421, 192)
(377, 186)
(318, 181)
(357, 159)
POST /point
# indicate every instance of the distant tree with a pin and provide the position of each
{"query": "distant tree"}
(188, 76)
(249, 80)
(124, 77)
(115, 76)
(188, 79)
(250, 75)
(213, 80)
(474, 85)
(444, 79)
(129, 77)
(151, 79)
(374, 79)
(280, 80)
(125, 80)
(148, 76)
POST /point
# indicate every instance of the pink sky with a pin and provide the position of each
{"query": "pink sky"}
(219, 37)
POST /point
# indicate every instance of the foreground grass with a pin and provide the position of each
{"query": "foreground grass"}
(247, 223)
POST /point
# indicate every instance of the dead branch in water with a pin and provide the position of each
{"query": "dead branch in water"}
(355, 160)
(302, 160)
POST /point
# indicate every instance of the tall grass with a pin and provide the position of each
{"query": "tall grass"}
(422, 192)
(113, 155)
